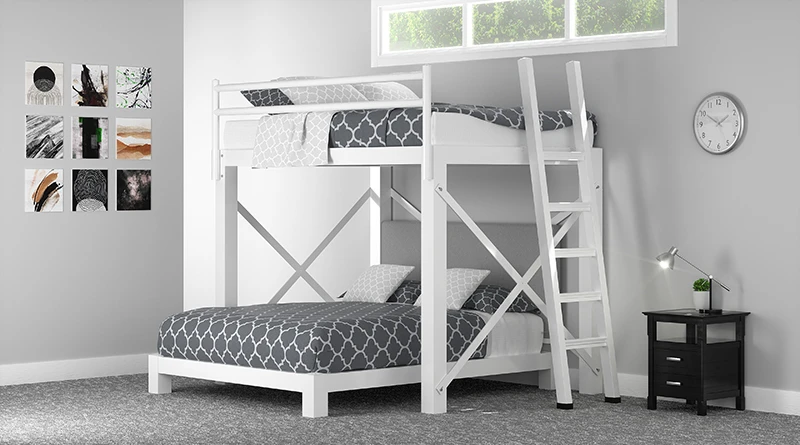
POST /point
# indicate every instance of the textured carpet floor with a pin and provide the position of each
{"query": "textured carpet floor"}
(118, 410)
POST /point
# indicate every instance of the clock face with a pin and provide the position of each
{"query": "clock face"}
(719, 123)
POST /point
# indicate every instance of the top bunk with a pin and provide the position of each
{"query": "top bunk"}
(376, 120)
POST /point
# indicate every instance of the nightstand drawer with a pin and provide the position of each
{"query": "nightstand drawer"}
(680, 386)
(681, 360)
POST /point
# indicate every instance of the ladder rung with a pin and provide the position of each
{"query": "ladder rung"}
(585, 343)
(563, 156)
(570, 207)
(583, 252)
(580, 297)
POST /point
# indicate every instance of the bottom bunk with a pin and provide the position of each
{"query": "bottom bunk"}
(318, 348)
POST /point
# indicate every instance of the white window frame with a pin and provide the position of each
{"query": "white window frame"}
(568, 45)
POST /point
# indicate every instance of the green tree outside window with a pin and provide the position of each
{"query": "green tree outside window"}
(521, 21)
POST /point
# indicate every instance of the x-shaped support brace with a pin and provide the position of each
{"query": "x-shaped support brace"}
(301, 270)
(522, 285)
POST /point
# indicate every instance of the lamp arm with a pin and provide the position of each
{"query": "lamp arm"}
(704, 273)
(690, 263)
(722, 285)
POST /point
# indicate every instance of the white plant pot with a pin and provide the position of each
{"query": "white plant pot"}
(700, 299)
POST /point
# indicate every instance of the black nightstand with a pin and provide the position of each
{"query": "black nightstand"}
(695, 369)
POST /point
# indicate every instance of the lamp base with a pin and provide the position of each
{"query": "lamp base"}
(710, 311)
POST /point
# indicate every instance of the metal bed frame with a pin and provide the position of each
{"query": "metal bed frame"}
(435, 373)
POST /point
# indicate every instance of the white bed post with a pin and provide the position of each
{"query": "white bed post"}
(226, 212)
(380, 208)
(315, 397)
(589, 382)
(434, 266)
(157, 383)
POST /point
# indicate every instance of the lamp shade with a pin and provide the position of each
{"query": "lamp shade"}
(667, 259)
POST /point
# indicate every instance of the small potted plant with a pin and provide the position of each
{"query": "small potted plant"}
(701, 288)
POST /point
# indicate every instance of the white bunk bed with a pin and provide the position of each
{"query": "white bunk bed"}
(485, 144)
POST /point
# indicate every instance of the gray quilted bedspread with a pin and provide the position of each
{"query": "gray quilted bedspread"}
(399, 127)
(311, 337)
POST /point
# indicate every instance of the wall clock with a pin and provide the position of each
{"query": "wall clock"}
(719, 123)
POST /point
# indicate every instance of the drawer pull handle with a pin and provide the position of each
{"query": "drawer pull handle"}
(673, 359)
(671, 383)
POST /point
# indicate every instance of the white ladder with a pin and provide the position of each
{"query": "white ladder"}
(586, 207)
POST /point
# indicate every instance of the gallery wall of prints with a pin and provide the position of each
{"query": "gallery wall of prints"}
(90, 140)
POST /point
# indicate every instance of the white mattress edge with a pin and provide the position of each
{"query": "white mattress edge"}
(516, 333)
(447, 128)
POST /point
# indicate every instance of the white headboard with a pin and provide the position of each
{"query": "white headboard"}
(518, 243)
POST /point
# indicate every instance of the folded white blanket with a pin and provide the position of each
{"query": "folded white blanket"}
(292, 140)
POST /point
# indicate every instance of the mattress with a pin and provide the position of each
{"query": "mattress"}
(448, 129)
(516, 333)
(332, 337)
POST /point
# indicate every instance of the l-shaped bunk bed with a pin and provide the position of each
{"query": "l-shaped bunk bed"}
(340, 345)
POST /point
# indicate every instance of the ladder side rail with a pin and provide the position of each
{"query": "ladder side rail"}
(533, 136)
(592, 231)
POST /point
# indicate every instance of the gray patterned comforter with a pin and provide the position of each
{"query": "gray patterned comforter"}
(311, 337)
(399, 127)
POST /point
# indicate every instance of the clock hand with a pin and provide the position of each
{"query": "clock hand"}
(715, 121)
(723, 119)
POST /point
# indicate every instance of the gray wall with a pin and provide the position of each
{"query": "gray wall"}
(255, 40)
(89, 285)
(734, 215)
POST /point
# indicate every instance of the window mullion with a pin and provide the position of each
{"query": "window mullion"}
(466, 24)
(571, 18)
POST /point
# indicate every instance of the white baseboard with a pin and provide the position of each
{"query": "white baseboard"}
(86, 368)
(757, 399)
(631, 385)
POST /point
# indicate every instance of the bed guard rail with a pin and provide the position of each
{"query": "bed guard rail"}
(425, 102)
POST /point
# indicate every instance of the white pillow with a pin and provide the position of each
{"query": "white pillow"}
(377, 283)
(325, 94)
(461, 283)
(380, 91)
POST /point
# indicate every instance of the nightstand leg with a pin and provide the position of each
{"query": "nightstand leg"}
(652, 333)
(740, 339)
(702, 407)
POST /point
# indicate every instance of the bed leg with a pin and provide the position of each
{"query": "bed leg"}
(546, 380)
(157, 383)
(315, 402)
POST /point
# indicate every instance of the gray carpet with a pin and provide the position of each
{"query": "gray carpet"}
(118, 410)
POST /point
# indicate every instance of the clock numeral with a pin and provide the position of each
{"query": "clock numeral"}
(734, 112)
(701, 124)
(703, 113)
(735, 134)
(728, 143)
(737, 123)
(709, 142)
(729, 104)
(718, 146)
(703, 135)
(719, 101)
(710, 105)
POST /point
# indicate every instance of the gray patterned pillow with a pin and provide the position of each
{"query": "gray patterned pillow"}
(325, 94)
(407, 293)
(380, 91)
(377, 283)
(461, 283)
(488, 298)
(266, 98)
